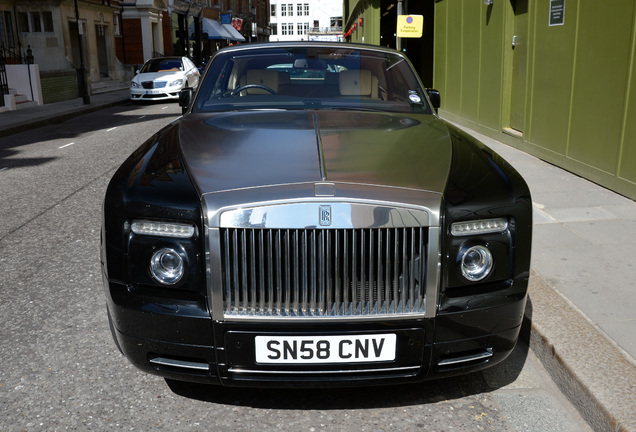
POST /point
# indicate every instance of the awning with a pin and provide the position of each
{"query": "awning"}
(235, 34)
(216, 30)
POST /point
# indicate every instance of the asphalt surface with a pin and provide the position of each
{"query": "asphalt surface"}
(581, 316)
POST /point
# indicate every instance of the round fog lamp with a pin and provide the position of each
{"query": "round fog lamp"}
(166, 266)
(476, 263)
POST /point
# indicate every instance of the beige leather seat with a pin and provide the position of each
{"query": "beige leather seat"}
(266, 77)
(359, 83)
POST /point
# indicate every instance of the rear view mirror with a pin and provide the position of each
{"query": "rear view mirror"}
(185, 98)
(316, 64)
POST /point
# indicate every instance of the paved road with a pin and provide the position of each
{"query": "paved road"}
(60, 370)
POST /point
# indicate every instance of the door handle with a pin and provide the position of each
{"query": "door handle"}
(514, 41)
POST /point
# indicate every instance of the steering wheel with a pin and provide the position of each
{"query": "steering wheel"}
(249, 86)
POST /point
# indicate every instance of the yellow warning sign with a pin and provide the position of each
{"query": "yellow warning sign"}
(410, 26)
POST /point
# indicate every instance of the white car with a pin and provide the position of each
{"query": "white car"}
(163, 78)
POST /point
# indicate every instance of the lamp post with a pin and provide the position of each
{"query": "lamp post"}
(81, 78)
(398, 40)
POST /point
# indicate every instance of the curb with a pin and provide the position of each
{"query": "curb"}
(588, 368)
(30, 124)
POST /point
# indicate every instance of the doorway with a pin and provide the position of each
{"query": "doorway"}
(517, 62)
(102, 49)
(76, 59)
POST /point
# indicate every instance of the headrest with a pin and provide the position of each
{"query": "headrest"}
(355, 83)
(266, 77)
(283, 78)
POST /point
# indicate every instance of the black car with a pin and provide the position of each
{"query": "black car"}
(311, 221)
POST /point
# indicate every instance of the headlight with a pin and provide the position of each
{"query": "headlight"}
(166, 266)
(133, 84)
(176, 83)
(484, 226)
(163, 229)
(476, 262)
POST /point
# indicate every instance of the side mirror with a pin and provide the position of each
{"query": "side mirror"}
(185, 97)
(435, 98)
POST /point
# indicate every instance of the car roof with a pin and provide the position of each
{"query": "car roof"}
(310, 44)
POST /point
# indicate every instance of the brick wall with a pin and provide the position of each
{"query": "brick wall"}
(59, 85)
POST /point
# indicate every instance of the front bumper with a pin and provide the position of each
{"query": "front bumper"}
(179, 340)
(164, 94)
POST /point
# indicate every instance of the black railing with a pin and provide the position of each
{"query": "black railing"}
(14, 56)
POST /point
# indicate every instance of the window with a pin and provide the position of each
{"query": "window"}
(283, 29)
(306, 9)
(47, 21)
(305, 28)
(116, 25)
(291, 28)
(299, 9)
(283, 10)
(299, 29)
(274, 28)
(23, 22)
(6, 30)
(36, 22)
(290, 7)
(272, 10)
(336, 22)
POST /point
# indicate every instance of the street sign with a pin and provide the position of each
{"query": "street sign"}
(410, 26)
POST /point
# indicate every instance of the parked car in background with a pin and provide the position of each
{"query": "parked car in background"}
(311, 221)
(163, 78)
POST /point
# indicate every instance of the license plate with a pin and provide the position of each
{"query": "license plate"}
(153, 92)
(325, 349)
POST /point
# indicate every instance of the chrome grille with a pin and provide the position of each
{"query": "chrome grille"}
(323, 272)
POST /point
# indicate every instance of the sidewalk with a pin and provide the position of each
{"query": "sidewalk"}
(12, 122)
(581, 314)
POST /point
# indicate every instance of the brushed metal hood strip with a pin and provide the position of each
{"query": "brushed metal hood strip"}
(321, 150)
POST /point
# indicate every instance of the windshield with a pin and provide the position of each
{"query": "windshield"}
(311, 78)
(161, 65)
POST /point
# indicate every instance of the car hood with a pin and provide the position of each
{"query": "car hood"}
(158, 76)
(239, 150)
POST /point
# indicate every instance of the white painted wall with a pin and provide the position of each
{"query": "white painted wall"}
(18, 79)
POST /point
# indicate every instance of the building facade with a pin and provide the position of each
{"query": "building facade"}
(296, 20)
(555, 78)
(87, 45)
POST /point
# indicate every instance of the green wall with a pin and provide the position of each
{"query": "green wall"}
(369, 11)
(565, 93)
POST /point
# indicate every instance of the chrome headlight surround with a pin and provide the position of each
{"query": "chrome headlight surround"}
(166, 266)
(476, 262)
(480, 250)
(163, 254)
